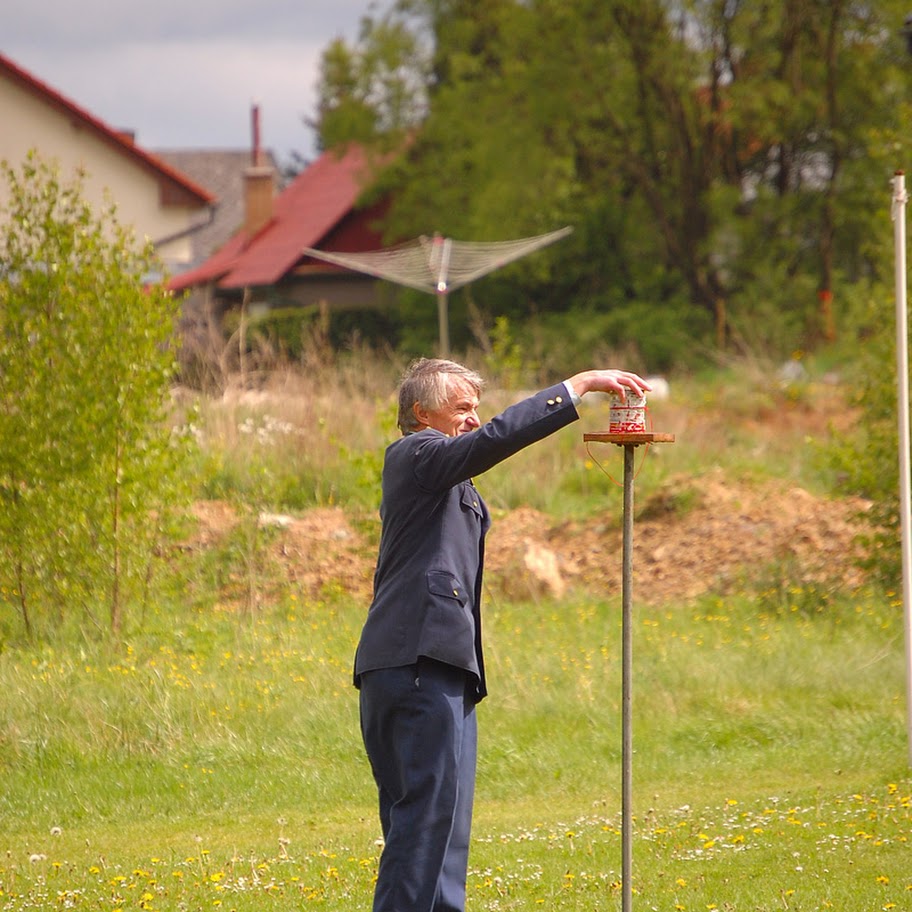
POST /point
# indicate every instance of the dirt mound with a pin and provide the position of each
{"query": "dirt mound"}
(697, 535)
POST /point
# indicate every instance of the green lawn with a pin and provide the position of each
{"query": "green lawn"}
(215, 762)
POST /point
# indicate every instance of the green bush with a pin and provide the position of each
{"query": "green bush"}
(865, 459)
(287, 333)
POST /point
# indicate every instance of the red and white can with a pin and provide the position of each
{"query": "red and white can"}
(628, 415)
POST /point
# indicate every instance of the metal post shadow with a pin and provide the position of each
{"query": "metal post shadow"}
(629, 441)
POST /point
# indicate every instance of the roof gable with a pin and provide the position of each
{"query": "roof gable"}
(309, 208)
(176, 188)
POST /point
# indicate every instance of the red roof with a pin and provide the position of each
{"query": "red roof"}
(309, 208)
(182, 189)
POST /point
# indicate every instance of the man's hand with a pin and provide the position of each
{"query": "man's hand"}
(608, 381)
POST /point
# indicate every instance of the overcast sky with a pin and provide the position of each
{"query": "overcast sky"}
(184, 73)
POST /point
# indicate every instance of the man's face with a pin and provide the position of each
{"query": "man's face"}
(457, 415)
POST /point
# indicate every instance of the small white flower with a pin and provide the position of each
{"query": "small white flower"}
(56, 831)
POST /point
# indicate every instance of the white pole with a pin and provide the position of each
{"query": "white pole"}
(902, 380)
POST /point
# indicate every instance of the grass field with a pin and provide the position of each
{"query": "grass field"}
(212, 761)
(215, 763)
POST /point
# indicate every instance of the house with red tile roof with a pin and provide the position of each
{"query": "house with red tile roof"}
(263, 266)
(264, 262)
(157, 200)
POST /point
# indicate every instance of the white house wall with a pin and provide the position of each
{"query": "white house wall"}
(110, 174)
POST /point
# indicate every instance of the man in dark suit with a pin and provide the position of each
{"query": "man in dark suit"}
(419, 663)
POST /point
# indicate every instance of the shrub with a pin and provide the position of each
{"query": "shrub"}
(87, 460)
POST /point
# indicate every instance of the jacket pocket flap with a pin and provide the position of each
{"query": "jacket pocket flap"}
(443, 583)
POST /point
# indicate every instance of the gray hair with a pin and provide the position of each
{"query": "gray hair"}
(426, 382)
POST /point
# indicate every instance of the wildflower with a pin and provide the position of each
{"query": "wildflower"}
(56, 831)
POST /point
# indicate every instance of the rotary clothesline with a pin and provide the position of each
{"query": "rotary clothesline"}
(437, 264)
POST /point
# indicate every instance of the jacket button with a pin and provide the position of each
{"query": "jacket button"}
(550, 402)
(559, 399)
(456, 592)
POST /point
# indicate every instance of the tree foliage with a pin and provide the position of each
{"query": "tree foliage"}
(374, 91)
(87, 461)
(723, 153)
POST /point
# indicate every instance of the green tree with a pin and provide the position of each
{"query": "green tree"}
(375, 92)
(88, 464)
(719, 152)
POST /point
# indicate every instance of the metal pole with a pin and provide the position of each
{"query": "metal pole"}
(626, 690)
(443, 325)
(902, 380)
(443, 319)
(630, 441)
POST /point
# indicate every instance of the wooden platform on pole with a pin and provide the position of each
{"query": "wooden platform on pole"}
(629, 442)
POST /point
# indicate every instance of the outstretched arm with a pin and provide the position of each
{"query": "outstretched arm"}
(608, 381)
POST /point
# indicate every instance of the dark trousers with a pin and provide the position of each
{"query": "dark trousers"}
(420, 732)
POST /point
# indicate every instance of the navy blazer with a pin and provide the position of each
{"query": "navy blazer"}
(427, 583)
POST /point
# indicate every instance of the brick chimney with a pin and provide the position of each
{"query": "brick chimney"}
(259, 183)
